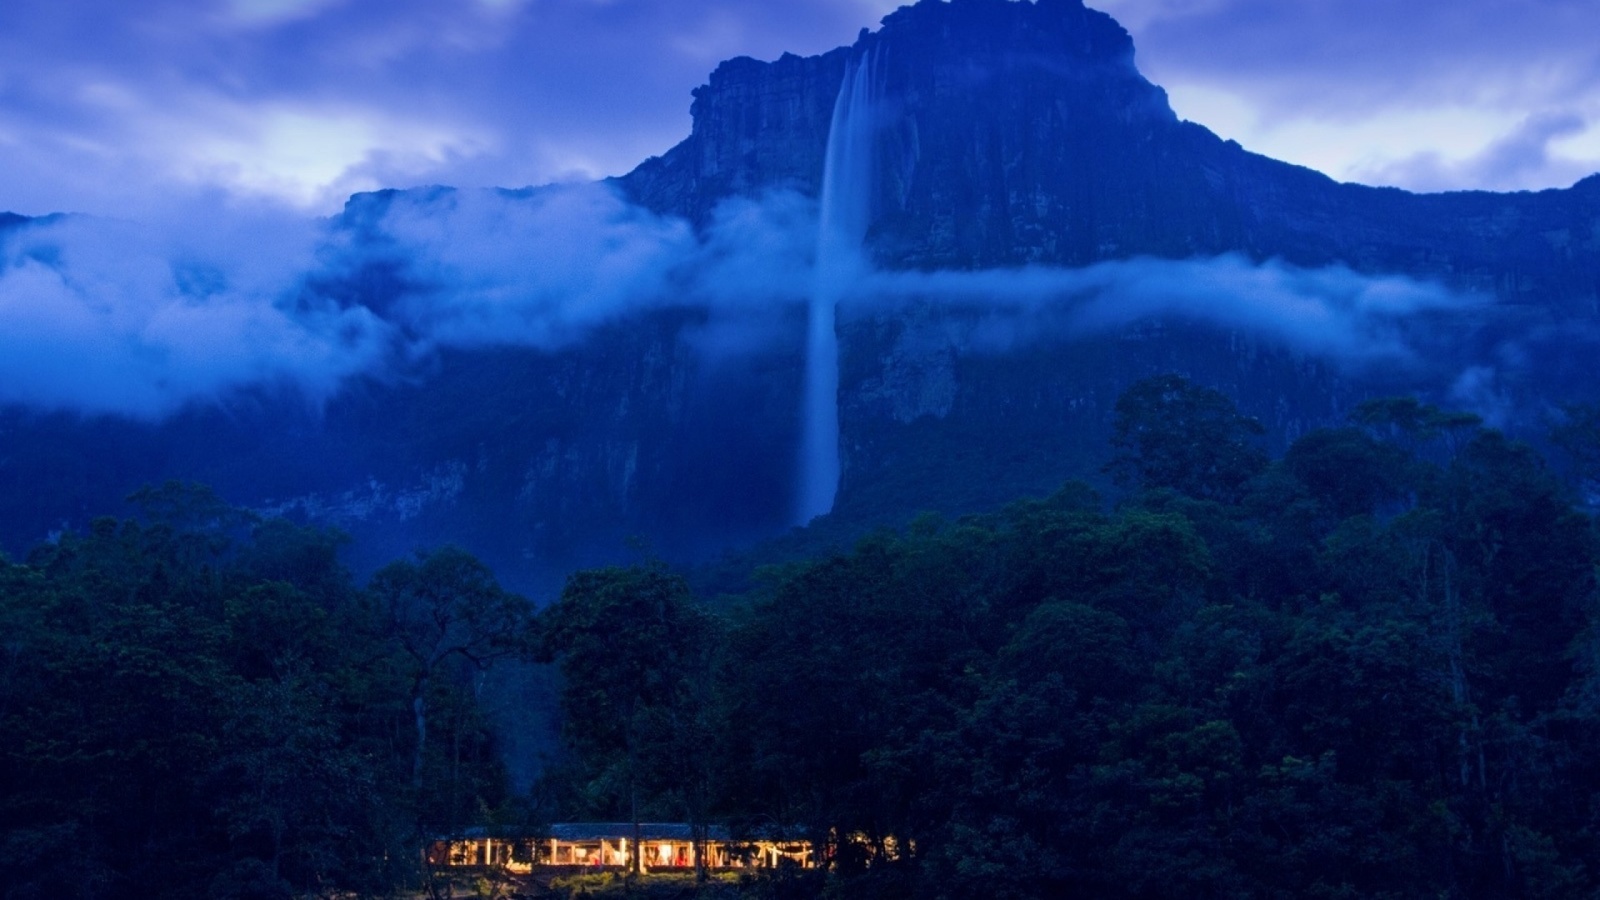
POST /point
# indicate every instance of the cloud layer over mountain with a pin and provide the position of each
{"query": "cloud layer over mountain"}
(107, 316)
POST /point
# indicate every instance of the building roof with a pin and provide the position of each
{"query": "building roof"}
(597, 831)
(649, 831)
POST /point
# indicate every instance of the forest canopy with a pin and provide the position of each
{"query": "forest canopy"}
(1364, 668)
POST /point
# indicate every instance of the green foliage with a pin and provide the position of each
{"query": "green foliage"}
(1348, 472)
(643, 722)
(1365, 670)
(1368, 669)
(451, 620)
(1412, 423)
(1171, 433)
(204, 705)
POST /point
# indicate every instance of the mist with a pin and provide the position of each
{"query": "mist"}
(543, 268)
(1332, 312)
(105, 316)
(102, 316)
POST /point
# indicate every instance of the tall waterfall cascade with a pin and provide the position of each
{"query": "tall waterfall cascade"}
(845, 214)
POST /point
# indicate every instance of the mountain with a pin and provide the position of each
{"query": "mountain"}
(1023, 133)
(1011, 144)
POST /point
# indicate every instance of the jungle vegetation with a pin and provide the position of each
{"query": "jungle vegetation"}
(1366, 668)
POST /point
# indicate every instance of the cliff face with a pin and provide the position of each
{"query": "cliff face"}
(1019, 132)
(996, 115)
(757, 126)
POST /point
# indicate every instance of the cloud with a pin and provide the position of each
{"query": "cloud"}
(1477, 390)
(1505, 164)
(542, 267)
(104, 316)
(308, 158)
(484, 268)
(308, 100)
(1348, 55)
(100, 316)
(1332, 312)
(305, 101)
(1368, 90)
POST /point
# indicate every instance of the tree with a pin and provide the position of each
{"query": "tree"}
(635, 652)
(201, 704)
(1577, 434)
(1169, 432)
(1415, 426)
(448, 615)
(1348, 471)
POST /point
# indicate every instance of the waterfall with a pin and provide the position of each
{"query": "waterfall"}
(842, 226)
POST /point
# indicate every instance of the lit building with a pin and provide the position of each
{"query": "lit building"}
(663, 846)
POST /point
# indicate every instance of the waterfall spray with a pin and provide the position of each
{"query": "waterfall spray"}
(842, 226)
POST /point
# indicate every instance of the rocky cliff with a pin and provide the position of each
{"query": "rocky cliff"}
(1020, 132)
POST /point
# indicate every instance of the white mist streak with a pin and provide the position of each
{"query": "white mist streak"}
(1333, 312)
(842, 226)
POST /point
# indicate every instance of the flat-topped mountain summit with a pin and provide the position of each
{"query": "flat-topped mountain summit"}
(1020, 132)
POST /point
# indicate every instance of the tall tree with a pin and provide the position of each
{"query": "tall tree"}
(450, 620)
(634, 650)
(1169, 432)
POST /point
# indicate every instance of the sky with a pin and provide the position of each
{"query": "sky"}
(140, 109)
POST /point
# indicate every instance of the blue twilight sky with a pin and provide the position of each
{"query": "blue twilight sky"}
(112, 106)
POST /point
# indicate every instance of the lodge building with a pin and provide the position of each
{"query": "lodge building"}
(662, 846)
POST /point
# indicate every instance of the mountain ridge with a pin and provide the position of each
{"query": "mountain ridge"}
(1088, 162)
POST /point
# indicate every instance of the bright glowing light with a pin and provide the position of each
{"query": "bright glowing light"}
(310, 159)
